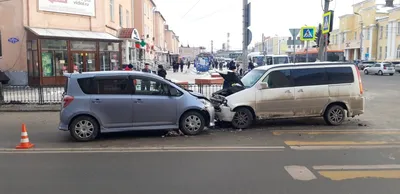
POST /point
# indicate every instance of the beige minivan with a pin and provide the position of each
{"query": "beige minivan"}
(325, 89)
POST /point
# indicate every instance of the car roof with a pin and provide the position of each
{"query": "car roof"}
(267, 67)
(109, 73)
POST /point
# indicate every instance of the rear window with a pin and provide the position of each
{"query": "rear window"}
(340, 75)
(387, 65)
(66, 86)
(87, 85)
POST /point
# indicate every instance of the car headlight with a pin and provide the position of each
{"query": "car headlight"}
(206, 102)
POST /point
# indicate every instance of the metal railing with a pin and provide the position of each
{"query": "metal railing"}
(53, 94)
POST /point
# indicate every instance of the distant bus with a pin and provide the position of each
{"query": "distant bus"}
(333, 55)
(259, 59)
(235, 55)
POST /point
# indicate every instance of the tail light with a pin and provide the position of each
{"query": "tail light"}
(359, 82)
(67, 100)
(384, 67)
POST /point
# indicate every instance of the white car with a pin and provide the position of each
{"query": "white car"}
(380, 69)
(397, 68)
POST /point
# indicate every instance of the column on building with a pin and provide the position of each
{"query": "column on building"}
(393, 48)
(371, 29)
(388, 41)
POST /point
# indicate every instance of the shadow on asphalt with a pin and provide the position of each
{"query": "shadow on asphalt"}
(267, 125)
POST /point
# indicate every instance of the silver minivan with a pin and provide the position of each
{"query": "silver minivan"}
(329, 90)
(114, 101)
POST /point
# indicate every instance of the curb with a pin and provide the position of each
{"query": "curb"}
(30, 108)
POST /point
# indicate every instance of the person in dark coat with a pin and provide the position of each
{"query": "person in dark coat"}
(188, 64)
(231, 78)
(145, 83)
(181, 64)
(161, 71)
(251, 65)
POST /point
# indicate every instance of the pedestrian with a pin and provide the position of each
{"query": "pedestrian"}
(231, 78)
(174, 66)
(181, 64)
(251, 65)
(145, 85)
(161, 71)
(188, 64)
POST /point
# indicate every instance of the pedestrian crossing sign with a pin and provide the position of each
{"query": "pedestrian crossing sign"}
(327, 22)
(307, 33)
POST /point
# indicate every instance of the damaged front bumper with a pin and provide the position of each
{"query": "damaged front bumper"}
(222, 111)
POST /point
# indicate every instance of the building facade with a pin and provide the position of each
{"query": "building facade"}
(46, 39)
(161, 53)
(189, 53)
(376, 25)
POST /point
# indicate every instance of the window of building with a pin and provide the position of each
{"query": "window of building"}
(127, 19)
(1, 46)
(368, 34)
(112, 10)
(54, 57)
(387, 31)
(114, 86)
(355, 35)
(279, 79)
(148, 86)
(340, 75)
(386, 52)
(380, 32)
(121, 17)
(398, 28)
(398, 52)
(367, 51)
(145, 9)
(309, 76)
(380, 52)
(343, 37)
(83, 46)
(109, 56)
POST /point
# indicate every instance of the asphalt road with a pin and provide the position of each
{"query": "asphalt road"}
(301, 156)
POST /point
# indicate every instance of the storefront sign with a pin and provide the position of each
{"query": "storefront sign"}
(78, 7)
(13, 40)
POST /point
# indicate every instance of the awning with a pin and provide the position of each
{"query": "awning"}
(48, 32)
(129, 33)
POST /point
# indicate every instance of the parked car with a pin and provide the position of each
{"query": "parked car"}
(331, 90)
(101, 102)
(397, 67)
(380, 69)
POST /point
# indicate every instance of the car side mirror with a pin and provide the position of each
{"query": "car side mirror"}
(262, 86)
(173, 91)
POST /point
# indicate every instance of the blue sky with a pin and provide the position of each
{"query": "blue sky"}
(213, 19)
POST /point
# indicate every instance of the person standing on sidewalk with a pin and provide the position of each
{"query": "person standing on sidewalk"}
(146, 83)
(181, 64)
(161, 71)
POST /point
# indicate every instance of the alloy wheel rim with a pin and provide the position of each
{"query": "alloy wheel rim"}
(84, 129)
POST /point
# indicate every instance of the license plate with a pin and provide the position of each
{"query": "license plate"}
(390, 68)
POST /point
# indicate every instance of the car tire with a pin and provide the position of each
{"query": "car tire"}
(380, 72)
(366, 72)
(192, 123)
(391, 74)
(84, 128)
(242, 119)
(334, 115)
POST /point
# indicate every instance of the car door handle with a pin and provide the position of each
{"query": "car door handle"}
(301, 90)
(287, 91)
(96, 101)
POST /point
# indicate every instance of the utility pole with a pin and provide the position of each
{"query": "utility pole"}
(306, 50)
(244, 46)
(263, 48)
(322, 40)
(212, 47)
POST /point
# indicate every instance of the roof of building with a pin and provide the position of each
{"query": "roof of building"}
(161, 15)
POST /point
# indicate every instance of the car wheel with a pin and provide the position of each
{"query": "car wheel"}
(366, 72)
(334, 115)
(242, 119)
(391, 74)
(380, 72)
(84, 128)
(192, 123)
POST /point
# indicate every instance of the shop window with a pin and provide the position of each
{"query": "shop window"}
(109, 56)
(29, 60)
(54, 57)
(83, 46)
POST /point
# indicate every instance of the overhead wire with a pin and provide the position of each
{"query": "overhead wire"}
(191, 9)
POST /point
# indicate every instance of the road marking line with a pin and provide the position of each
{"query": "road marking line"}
(305, 143)
(301, 173)
(343, 147)
(357, 167)
(330, 132)
(344, 175)
(144, 149)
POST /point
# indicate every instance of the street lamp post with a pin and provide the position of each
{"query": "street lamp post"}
(361, 34)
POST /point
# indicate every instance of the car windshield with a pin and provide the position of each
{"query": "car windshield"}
(252, 77)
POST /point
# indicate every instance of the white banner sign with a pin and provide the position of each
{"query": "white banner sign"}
(78, 7)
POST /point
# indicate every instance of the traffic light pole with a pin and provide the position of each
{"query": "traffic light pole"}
(322, 40)
(244, 49)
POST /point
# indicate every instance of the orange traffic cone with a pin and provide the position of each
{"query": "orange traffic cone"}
(24, 144)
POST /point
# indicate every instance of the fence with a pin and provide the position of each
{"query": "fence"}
(53, 94)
